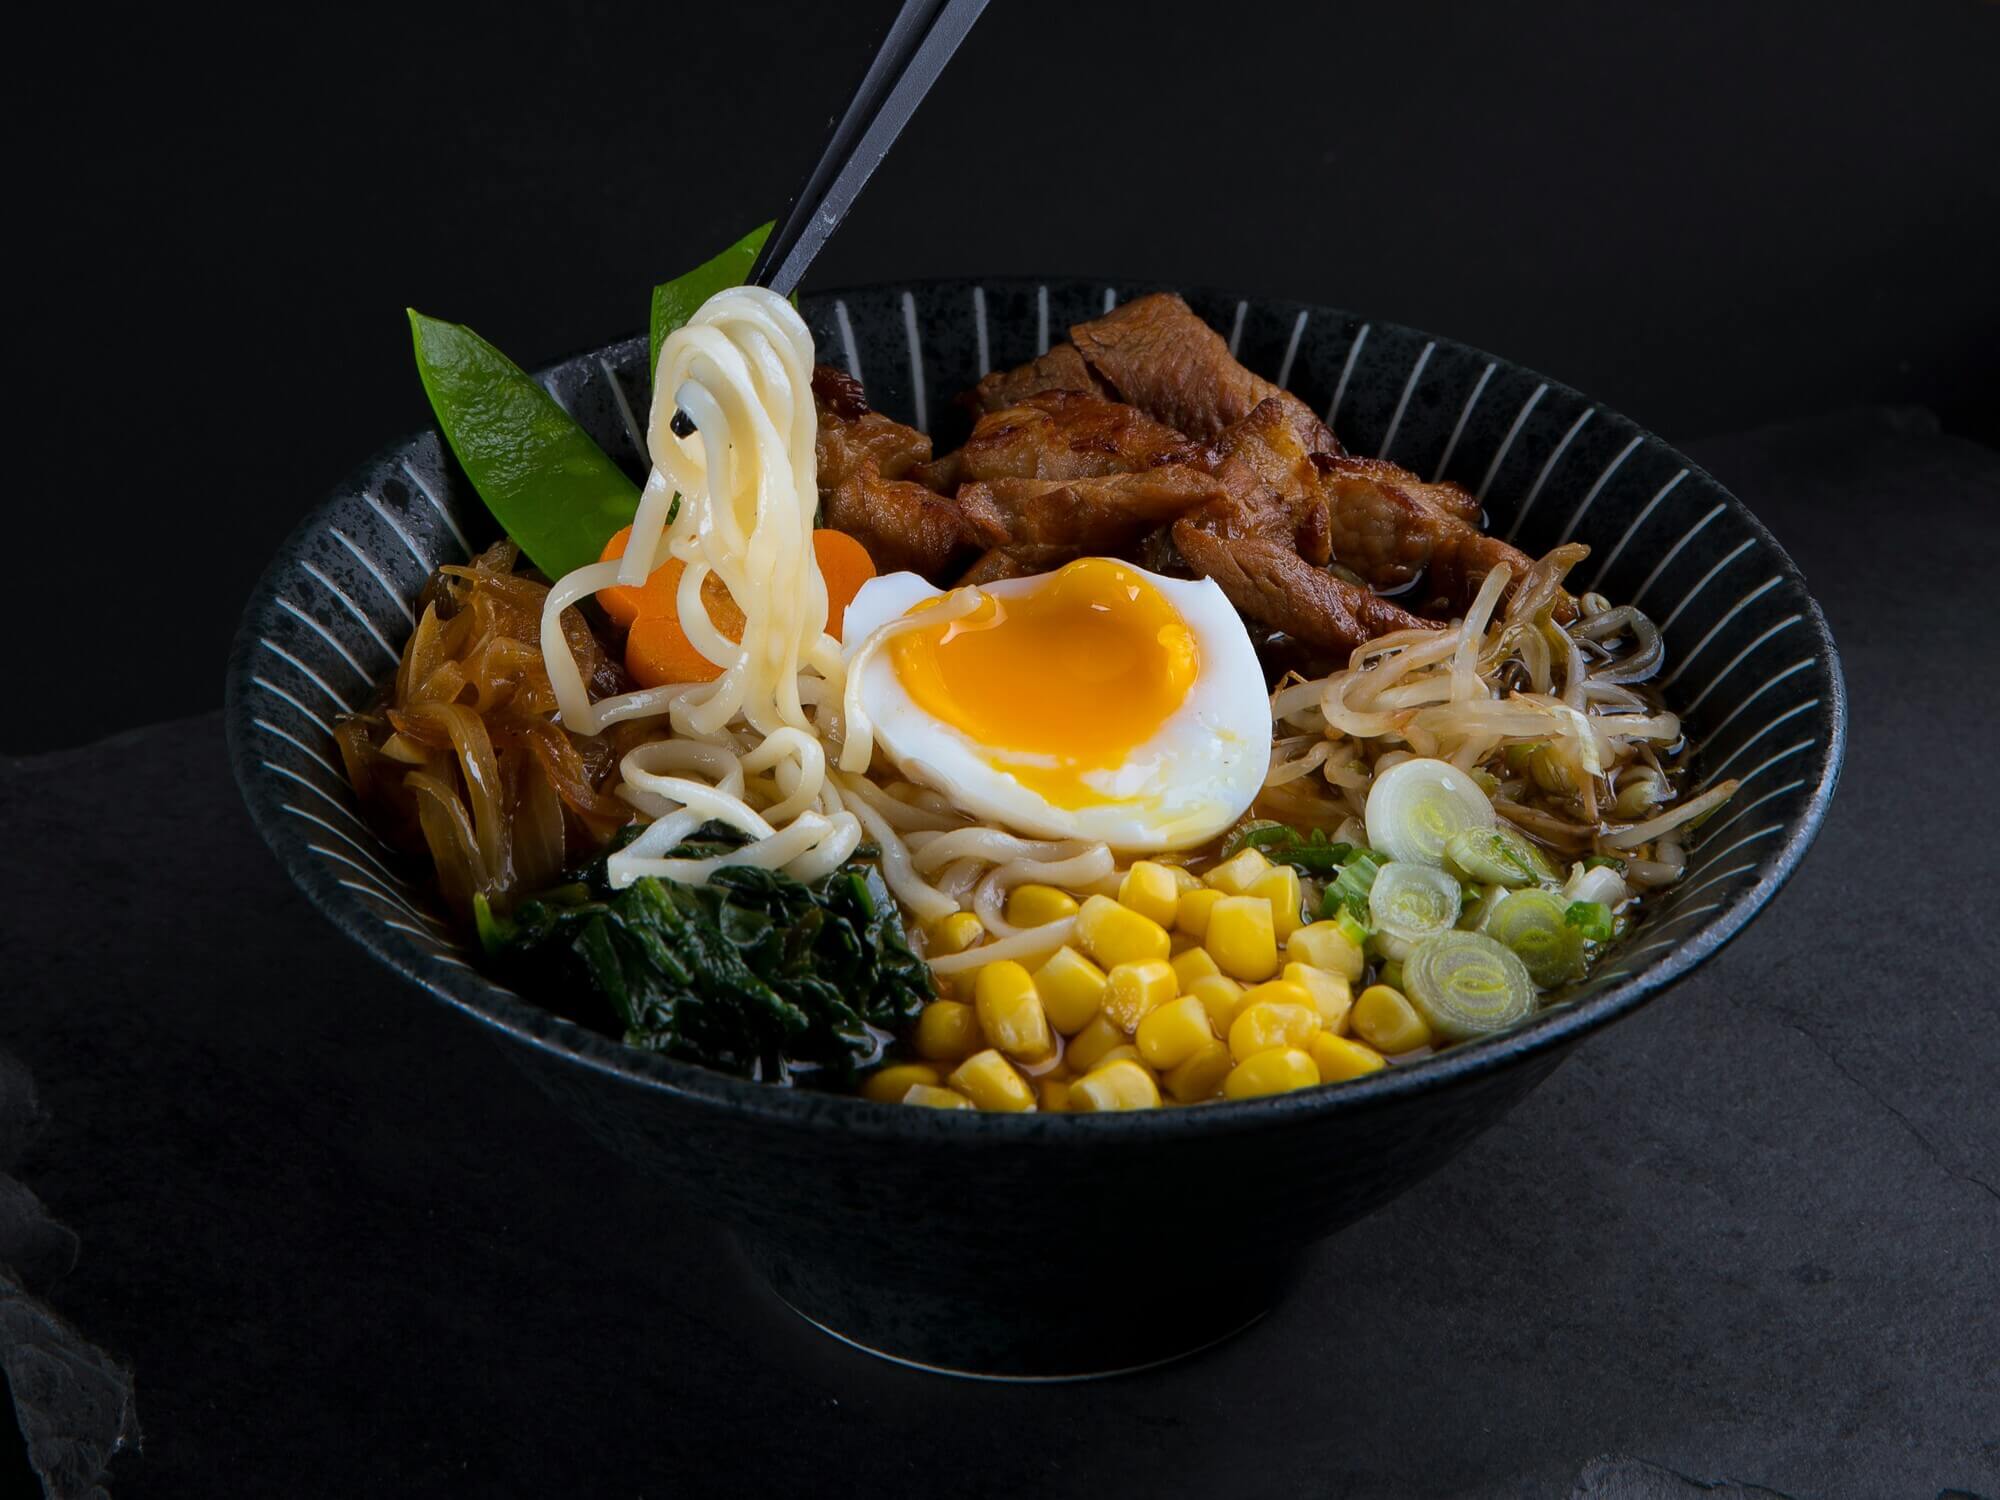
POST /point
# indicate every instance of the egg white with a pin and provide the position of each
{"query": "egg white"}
(1196, 775)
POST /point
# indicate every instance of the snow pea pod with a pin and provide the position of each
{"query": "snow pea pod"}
(554, 491)
(674, 302)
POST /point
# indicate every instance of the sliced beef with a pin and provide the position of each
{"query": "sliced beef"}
(863, 458)
(1270, 479)
(1155, 353)
(1388, 526)
(1099, 514)
(1022, 560)
(1061, 369)
(1054, 435)
(1269, 582)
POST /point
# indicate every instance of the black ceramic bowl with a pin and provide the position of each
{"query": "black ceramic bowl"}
(1026, 1245)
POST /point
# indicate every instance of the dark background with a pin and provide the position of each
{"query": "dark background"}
(1710, 217)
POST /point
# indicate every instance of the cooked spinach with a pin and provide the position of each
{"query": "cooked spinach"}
(754, 973)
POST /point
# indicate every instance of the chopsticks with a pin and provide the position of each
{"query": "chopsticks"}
(920, 42)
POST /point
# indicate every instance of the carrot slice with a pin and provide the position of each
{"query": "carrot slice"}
(658, 651)
(845, 565)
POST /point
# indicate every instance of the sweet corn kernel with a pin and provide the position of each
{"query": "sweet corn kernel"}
(1114, 934)
(1331, 995)
(1192, 964)
(1340, 1058)
(1053, 1095)
(888, 1085)
(1173, 1033)
(1279, 885)
(936, 1098)
(1132, 991)
(1386, 1021)
(1072, 989)
(1010, 1012)
(947, 1030)
(1273, 1072)
(1262, 1025)
(1240, 937)
(1116, 1085)
(1235, 876)
(1200, 1077)
(956, 933)
(1032, 905)
(1179, 942)
(1191, 916)
(1325, 946)
(1151, 890)
(1221, 997)
(1123, 1052)
(1185, 878)
(1089, 1045)
(989, 1081)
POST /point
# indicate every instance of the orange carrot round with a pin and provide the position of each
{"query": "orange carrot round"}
(657, 649)
(845, 565)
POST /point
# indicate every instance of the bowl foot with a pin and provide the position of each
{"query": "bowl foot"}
(1048, 1328)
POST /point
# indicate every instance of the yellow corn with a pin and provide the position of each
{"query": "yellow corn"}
(989, 1081)
(1185, 878)
(1340, 1058)
(1279, 885)
(1200, 1077)
(1133, 990)
(1241, 939)
(1386, 1021)
(1273, 1072)
(1123, 1052)
(1151, 890)
(1192, 964)
(1114, 934)
(936, 1098)
(1072, 989)
(1221, 997)
(956, 933)
(1191, 916)
(1117, 1085)
(1179, 942)
(947, 1030)
(1173, 1033)
(1325, 946)
(1010, 1012)
(888, 1085)
(1331, 996)
(1032, 905)
(1098, 1037)
(1054, 1094)
(1262, 1025)
(1234, 876)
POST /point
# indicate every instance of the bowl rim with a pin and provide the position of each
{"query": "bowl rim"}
(470, 992)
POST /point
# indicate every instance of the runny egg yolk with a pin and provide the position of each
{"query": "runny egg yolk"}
(1066, 679)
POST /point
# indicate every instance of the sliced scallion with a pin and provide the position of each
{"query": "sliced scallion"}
(1535, 926)
(1411, 902)
(1416, 806)
(1467, 985)
(1496, 856)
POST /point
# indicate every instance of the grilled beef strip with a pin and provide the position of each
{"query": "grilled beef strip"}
(1269, 582)
(863, 459)
(1061, 369)
(1155, 353)
(1054, 435)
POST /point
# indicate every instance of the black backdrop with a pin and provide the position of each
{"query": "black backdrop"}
(1709, 216)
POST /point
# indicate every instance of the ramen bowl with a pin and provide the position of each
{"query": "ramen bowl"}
(1036, 1246)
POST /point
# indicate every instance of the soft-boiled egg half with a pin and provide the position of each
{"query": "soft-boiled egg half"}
(1097, 702)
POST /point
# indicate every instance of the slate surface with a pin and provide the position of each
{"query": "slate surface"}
(1747, 1236)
